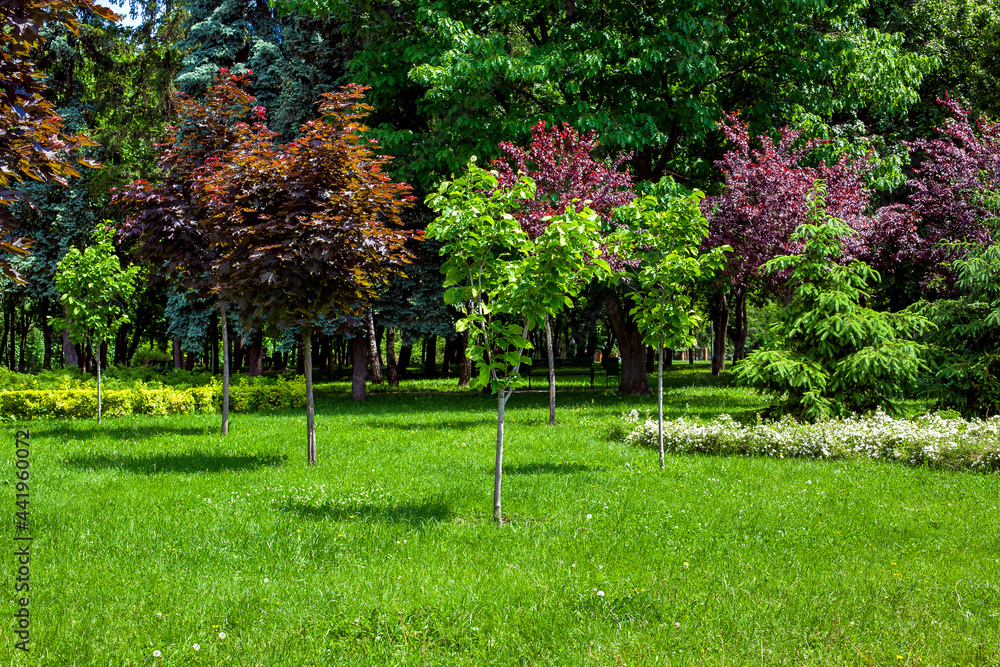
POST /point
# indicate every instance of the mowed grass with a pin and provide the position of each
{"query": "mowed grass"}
(158, 534)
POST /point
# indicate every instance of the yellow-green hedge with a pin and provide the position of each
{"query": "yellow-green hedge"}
(82, 403)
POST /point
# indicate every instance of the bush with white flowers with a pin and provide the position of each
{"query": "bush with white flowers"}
(927, 440)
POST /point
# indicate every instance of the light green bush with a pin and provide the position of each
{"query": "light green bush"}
(72, 401)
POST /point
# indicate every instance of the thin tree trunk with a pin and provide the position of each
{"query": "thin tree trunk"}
(21, 363)
(46, 340)
(358, 389)
(224, 319)
(310, 409)
(552, 370)
(659, 406)
(373, 349)
(98, 384)
(390, 356)
(720, 325)
(498, 468)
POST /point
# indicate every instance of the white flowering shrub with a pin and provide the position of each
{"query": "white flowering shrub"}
(927, 440)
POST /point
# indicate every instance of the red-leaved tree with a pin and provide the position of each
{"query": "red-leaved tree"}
(166, 219)
(952, 174)
(32, 143)
(561, 162)
(765, 197)
(304, 229)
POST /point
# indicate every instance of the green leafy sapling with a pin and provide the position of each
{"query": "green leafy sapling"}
(829, 355)
(509, 279)
(95, 292)
(664, 231)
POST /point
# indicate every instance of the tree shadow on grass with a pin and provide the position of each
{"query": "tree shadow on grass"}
(548, 469)
(190, 462)
(91, 431)
(417, 513)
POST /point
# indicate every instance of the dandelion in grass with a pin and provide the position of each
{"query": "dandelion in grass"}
(197, 647)
(222, 635)
(600, 594)
(156, 653)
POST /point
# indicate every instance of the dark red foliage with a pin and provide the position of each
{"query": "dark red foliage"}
(286, 232)
(561, 163)
(764, 200)
(165, 218)
(32, 145)
(947, 184)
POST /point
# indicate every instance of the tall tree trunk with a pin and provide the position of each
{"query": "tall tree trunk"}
(98, 364)
(464, 361)
(189, 362)
(738, 329)
(430, 356)
(178, 353)
(373, 355)
(390, 356)
(659, 406)
(224, 319)
(310, 410)
(498, 467)
(255, 354)
(21, 357)
(358, 389)
(720, 324)
(552, 370)
(46, 340)
(405, 353)
(630, 344)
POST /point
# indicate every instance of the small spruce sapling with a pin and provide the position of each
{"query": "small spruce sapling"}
(829, 355)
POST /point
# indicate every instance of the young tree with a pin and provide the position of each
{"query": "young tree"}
(664, 231)
(95, 293)
(511, 278)
(304, 229)
(829, 355)
(165, 218)
(561, 164)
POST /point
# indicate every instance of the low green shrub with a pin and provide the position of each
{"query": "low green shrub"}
(75, 399)
(930, 440)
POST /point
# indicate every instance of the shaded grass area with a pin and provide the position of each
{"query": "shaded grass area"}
(157, 534)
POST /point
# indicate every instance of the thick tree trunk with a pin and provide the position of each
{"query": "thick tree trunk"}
(178, 353)
(390, 357)
(630, 345)
(405, 354)
(255, 354)
(552, 370)
(430, 356)
(310, 411)
(189, 362)
(373, 356)
(720, 324)
(224, 319)
(358, 390)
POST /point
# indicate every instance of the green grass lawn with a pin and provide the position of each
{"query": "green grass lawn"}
(154, 533)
